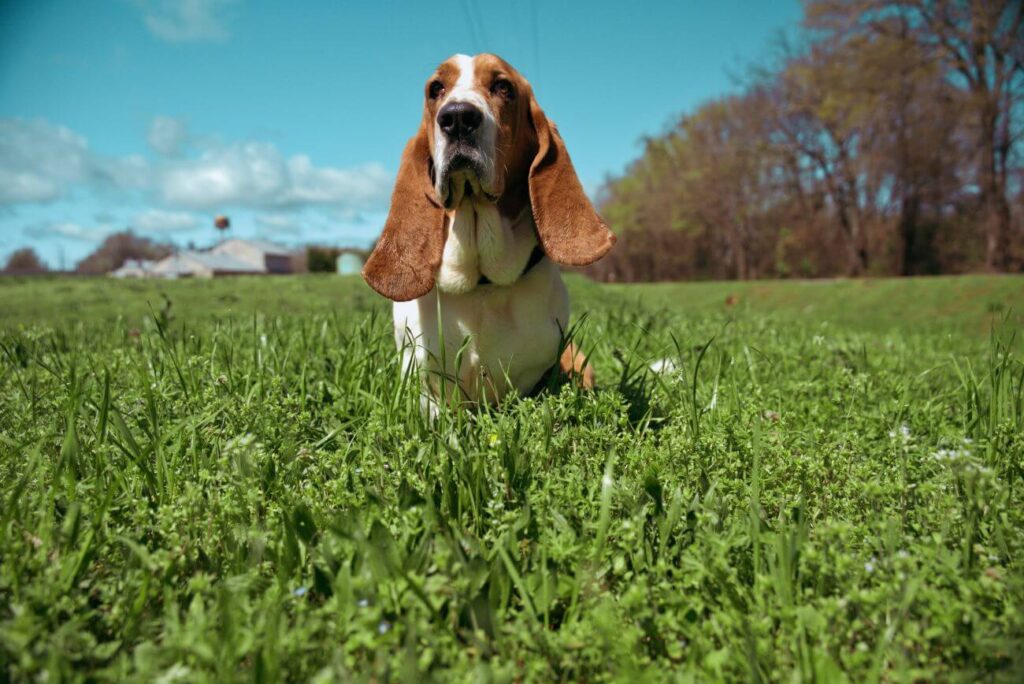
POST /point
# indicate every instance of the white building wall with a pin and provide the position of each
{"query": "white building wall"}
(243, 251)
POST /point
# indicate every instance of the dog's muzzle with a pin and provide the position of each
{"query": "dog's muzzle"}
(463, 165)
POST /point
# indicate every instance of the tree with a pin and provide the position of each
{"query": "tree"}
(872, 145)
(118, 248)
(819, 107)
(878, 125)
(981, 47)
(919, 150)
(729, 180)
(24, 261)
(321, 259)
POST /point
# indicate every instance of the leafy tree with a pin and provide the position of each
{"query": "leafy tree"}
(885, 140)
(24, 261)
(118, 248)
(321, 259)
(980, 47)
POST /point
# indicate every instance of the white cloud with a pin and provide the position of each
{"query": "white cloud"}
(256, 174)
(69, 230)
(40, 161)
(278, 223)
(37, 160)
(360, 187)
(167, 136)
(180, 21)
(349, 215)
(157, 220)
(119, 173)
(26, 187)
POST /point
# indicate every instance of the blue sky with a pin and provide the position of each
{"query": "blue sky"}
(290, 117)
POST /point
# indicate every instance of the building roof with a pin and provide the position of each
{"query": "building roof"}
(134, 267)
(189, 261)
(224, 262)
(262, 245)
(140, 264)
(231, 256)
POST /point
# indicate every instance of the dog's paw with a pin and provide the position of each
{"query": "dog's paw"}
(574, 366)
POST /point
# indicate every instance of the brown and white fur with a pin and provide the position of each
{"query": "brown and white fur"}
(484, 181)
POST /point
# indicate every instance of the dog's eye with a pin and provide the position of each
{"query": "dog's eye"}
(435, 90)
(503, 88)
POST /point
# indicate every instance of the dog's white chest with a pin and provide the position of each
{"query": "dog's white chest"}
(489, 338)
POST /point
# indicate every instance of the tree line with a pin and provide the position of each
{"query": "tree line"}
(886, 139)
(122, 246)
(110, 254)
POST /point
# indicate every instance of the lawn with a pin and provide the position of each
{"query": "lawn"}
(230, 480)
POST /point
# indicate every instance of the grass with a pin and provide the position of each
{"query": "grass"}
(230, 480)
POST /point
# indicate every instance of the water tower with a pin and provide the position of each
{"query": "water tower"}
(222, 223)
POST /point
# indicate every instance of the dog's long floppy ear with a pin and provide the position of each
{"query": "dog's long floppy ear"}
(408, 253)
(570, 231)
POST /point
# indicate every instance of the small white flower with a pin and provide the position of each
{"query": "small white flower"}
(663, 366)
(362, 603)
(383, 627)
(300, 592)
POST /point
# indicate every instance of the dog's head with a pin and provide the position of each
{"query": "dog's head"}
(483, 134)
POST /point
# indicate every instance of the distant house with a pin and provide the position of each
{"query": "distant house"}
(266, 257)
(134, 268)
(231, 257)
(350, 262)
(190, 264)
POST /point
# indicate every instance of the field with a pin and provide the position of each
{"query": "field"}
(230, 480)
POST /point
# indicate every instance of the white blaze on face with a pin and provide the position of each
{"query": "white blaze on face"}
(467, 90)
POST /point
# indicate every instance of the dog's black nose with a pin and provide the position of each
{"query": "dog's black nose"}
(458, 119)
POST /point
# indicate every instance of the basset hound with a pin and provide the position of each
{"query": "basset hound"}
(485, 205)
